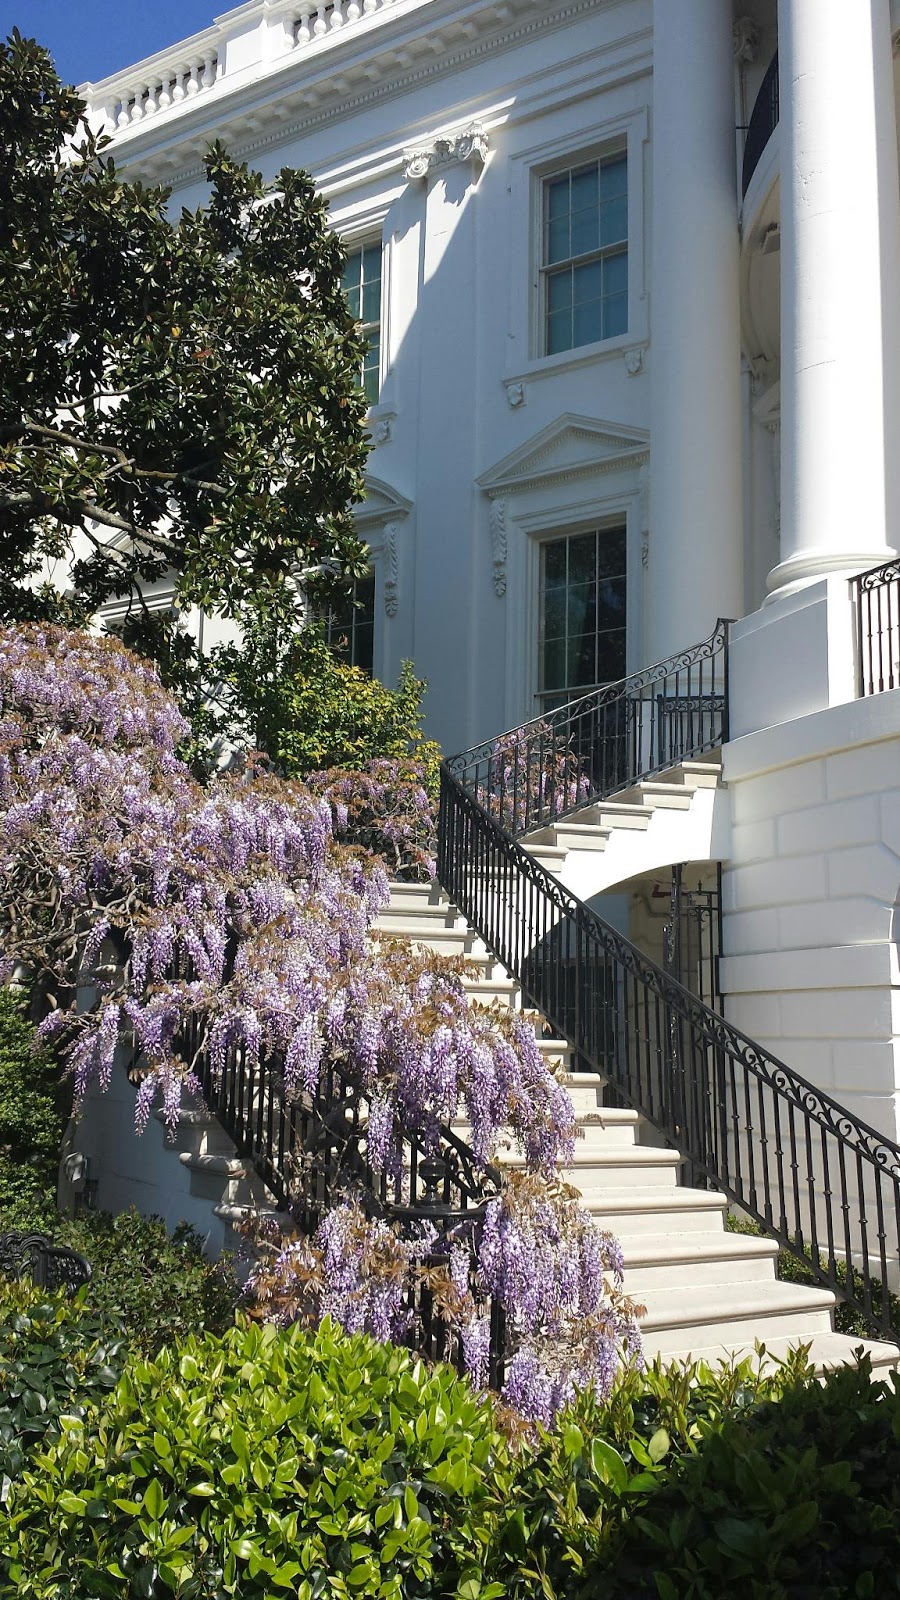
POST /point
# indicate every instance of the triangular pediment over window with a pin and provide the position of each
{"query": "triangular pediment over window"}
(382, 504)
(572, 447)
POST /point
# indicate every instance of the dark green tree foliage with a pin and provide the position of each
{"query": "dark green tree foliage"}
(174, 393)
(34, 1107)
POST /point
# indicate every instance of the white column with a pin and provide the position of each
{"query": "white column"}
(696, 560)
(840, 279)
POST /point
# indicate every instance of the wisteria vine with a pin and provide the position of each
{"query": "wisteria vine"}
(136, 901)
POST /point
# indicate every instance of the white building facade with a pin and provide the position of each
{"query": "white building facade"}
(630, 271)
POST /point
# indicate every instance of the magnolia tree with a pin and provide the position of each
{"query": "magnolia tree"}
(145, 909)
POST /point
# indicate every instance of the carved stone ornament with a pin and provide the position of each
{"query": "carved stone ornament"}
(746, 39)
(515, 394)
(498, 545)
(634, 361)
(390, 567)
(381, 430)
(471, 147)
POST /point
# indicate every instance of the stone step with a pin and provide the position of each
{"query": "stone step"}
(423, 917)
(218, 1177)
(488, 991)
(826, 1351)
(666, 1262)
(197, 1132)
(690, 1318)
(420, 895)
(616, 1167)
(664, 796)
(585, 1091)
(617, 1130)
(701, 774)
(656, 1210)
(453, 941)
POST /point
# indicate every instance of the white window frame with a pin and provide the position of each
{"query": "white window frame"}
(546, 270)
(610, 524)
(627, 133)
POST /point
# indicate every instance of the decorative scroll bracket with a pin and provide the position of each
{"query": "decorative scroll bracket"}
(469, 148)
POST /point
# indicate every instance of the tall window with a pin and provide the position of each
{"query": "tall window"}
(584, 259)
(361, 284)
(582, 623)
(350, 627)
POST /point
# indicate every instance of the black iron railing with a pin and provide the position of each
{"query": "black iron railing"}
(818, 1179)
(311, 1151)
(604, 741)
(877, 595)
(762, 124)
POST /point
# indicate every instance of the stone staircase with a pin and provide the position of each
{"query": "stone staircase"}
(709, 1293)
(671, 818)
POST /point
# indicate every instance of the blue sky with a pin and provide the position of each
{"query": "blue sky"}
(89, 39)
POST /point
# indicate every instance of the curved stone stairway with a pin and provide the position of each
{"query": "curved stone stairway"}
(709, 1293)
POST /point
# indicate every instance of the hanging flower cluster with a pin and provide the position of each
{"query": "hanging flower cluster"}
(533, 776)
(385, 809)
(148, 910)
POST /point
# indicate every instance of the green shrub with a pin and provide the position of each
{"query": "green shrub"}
(551, 1532)
(308, 710)
(57, 1357)
(267, 1462)
(161, 1287)
(795, 1501)
(34, 1108)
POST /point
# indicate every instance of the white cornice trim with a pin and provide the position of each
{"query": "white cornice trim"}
(157, 145)
(383, 504)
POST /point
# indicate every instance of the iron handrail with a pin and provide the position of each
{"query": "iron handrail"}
(603, 742)
(877, 603)
(821, 1181)
(310, 1151)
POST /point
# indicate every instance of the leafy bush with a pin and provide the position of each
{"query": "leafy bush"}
(298, 703)
(160, 1287)
(263, 1463)
(554, 1530)
(33, 1115)
(794, 1501)
(57, 1356)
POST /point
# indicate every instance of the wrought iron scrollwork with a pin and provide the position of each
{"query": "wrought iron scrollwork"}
(602, 742)
(820, 1180)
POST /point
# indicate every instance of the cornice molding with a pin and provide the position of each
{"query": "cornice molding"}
(155, 149)
(382, 505)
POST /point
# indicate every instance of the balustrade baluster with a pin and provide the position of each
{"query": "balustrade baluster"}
(320, 25)
(302, 29)
(164, 99)
(178, 85)
(193, 79)
(336, 20)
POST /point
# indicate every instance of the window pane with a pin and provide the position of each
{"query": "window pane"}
(587, 282)
(583, 558)
(554, 619)
(611, 656)
(371, 368)
(615, 316)
(610, 602)
(555, 562)
(582, 610)
(587, 323)
(559, 332)
(371, 261)
(556, 245)
(558, 196)
(363, 641)
(615, 273)
(559, 290)
(611, 552)
(585, 231)
(613, 177)
(554, 674)
(581, 660)
(614, 222)
(584, 189)
(371, 301)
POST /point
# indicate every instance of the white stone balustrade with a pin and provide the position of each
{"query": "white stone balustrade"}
(165, 83)
(141, 99)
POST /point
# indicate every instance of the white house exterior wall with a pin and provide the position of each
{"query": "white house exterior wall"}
(429, 123)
